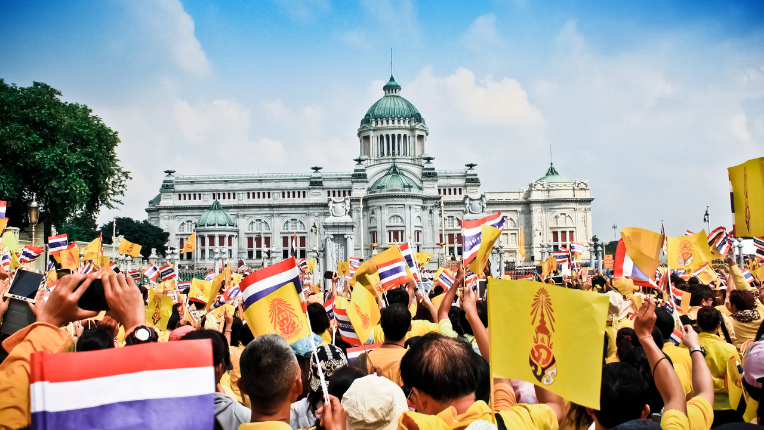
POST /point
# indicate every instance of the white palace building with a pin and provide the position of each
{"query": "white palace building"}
(394, 194)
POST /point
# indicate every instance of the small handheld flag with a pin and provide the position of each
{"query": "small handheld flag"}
(30, 253)
(445, 278)
(344, 326)
(151, 272)
(57, 244)
(3, 207)
(184, 286)
(408, 255)
(471, 233)
(758, 243)
(209, 276)
(167, 272)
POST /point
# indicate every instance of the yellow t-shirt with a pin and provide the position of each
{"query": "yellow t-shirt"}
(682, 365)
(389, 360)
(520, 416)
(718, 353)
(268, 425)
(524, 416)
(418, 328)
(699, 416)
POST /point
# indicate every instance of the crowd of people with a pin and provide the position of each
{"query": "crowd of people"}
(665, 364)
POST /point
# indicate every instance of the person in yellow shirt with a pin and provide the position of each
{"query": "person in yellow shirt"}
(680, 357)
(717, 354)
(746, 319)
(396, 322)
(703, 295)
(319, 322)
(270, 376)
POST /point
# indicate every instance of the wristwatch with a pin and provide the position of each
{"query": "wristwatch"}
(141, 334)
(698, 348)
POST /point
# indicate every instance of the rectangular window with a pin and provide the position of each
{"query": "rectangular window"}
(234, 196)
(418, 236)
(250, 243)
(202, 254)
(282, 195)
(221, 240)
(564, 235)
(373, 236)
(201, 240)
(182, 255)
(230, 240)
(250, 254)
(304, 194)
(570, 236)
(269, 194)
(554, 237)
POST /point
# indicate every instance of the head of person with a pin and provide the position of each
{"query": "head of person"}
(438, 290)
(398, 295)
(708, 319)
(664, 322)
(483, 376)
(701, 295)
(373, 402)
(270, 376)
(331, 359)
(624, 341)
(482, 312)
(438, 370)
(95, 340)
(741, 300)
(235, 328)
(245, 335)
(342, 379)
(396, 322)
(453, 316)
(624, 396)
(172, 323)
(221, 356)
(319, 321)
(753, 367)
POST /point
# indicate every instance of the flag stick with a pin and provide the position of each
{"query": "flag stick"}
(313, 345)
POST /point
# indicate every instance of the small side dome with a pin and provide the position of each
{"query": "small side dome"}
(394, 181)
(552, 176)
(215, 217)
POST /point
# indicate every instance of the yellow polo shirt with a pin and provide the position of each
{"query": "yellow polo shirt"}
(718, 353)
(682, 365)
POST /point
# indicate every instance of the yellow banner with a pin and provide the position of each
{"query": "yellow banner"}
(549, 266)
(688, 252)
(367, 274)
(422, 258)
(70, 258)
(311, 265)
(488, 237)
(93, 249)
(128, 248)
(747, 182)
(10, 242)
(521, 243)
(644, 248)
(158, 310)
(363, 312)
(200, 290)
(280, 312)
(343, 268)
(550, 336)
(190, 245)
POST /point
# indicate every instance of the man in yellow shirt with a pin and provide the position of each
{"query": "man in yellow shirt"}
(396, 322)
(680, 357)
(270, 376)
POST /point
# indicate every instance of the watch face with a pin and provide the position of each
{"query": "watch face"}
(142, 333)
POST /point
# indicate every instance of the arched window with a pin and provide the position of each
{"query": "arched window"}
(258, 226)
(187, 227)
(293, 224)
(396, 220)
(418, 220)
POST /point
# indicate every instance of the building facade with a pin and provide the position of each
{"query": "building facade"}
(394, 194)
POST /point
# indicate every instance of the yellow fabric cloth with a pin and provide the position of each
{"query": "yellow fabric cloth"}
(738, 278)
(682, 365)
(521, 416)
(624, 286)
(524, 416)
(718, 353)
(503, 396)
(235, 374)
(745, 331)
(389, 360)
(15, 370)
(699, 416)
(326, 337)
(419, 328)
(267, 425)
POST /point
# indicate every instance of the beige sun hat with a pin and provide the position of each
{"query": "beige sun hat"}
(374, 403)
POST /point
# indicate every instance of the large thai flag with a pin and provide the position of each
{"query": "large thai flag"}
(562, 255)
(57, 244)
(265, 281)
(167, 272)
(30, 253)
(390, 272)
(471, 234)
(231, 293)
(329, 308)
(410, 258)
(623, 266)
(3, 206)
(576, 248)
(134, 387)
(345, 328)
(353, 264)
(151, 272)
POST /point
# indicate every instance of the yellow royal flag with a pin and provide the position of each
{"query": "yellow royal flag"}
(552, 337)
(707, 275)
(190, 245)
(644, 247)
(747, 182)
(129, 248)
(436, 301)
(688, 252)
(363, 312)
(70, 258)
(488, 237)
(549, 266)
(521, 244)
(368, 276)
(311, 265)
(217, 282)
(93, 250)
(104, 261)
(734, 382)
(422, 258)
(280, 312)
(200, 290)
(760, 273)
(15, 260)
(158, 310)
(343, 268)
(10, 242)
(3, 224)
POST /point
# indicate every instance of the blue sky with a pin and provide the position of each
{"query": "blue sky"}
(649, 101)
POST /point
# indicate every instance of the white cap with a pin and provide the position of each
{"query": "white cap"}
(374, 403)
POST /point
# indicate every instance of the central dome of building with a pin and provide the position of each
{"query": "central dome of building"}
(392, 106)
(394, 181)
(215, 217)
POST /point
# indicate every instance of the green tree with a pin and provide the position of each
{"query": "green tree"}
(610, 247)
(81, 227)
(58, 151)
(139, 232)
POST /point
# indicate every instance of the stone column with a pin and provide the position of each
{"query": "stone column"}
(328, 252)
(349, 246)
(501, 260)
(591, 255)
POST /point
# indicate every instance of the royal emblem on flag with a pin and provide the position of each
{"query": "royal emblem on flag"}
(364, 317)
(284, 318)
(684, 250)
(541, 359)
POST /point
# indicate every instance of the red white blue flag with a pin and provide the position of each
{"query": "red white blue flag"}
(209, 276)
(410, 258)
(329, 308)
(576, 248)
(265, 281)
(345, 327)
(3, 206)
(30, 253)
(151, 272)
(624, 267)
(471, 233)
(167, 272)
(758, 243)
(184, 286)
(391, 272)
(57, 244)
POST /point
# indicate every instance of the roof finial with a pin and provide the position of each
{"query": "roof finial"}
(391, 61)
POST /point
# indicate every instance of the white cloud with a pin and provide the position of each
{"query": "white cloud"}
(395, 18)
(739, 126)
(482, 34)
(355, 38)
(303, 10)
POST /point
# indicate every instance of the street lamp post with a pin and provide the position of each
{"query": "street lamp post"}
(34, 211)
(707, 220)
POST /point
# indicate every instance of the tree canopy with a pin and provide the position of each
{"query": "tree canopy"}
(139, 232)
(58, 151)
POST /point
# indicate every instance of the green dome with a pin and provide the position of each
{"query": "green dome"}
(394, 181)
(215, 217)
(552, 176)
(391, 106)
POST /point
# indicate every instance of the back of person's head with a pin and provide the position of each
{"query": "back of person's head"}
(235, 329)
(708, 319)
(342, 379)
(693, 281)
(245, 335)
(664, 322)
(742, 300)
(624, 341)
(268, 373)
(438, 290)
(110, 325)
(700, 293)
(395, 321)
(95, 340)
(220, 353)
(453, 316)
(411, 341)
(319, 321)
(623, 395)
(398, 295)
(440, 367)
(483, 377)
(638, 359)
(423, 314)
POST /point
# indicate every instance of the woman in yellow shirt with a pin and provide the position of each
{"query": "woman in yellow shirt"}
(746, 319)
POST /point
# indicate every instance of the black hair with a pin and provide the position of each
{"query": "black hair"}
(623, 395)
(482, 312)
(268, 370)
(440, 367)
(423, 314)
(708, 318)
(438, 290)
(638, 359)
(693, 281)
(664, 322)
(411, 341)
(395, 322)
(235, 328)
(342, 379)
(95, 340)
(172, 323)
(319, 321)
(624, 341)
(699, 293)
(483, 376)
(220, 352)
(245, 335)
(398, 295)
(453, 316)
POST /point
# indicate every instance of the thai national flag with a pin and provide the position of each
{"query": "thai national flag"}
(102, 389)
(167, 272)
(676, 296)
(747, 275)
(623, 266)
(57, 244)
(3, 206)
(5, 260)
(562, 255)
(345, 327)
(410, 258)
(469, 277)
(293, 246)
(715, 233)
(329, 308)
(390, 271)
(86, 268)
(209, 276)
(303, 265)
(676, 337)
(231, 293)
(758, 243)
(576, 248)
(265, 281)
(30, 253)
(51, 266)
(471, 233)
(135, 274)
(113, 266)
(151, 272)
(184, 286)
(528, 277)
(354, 353)
(688, 233)
(446, 279)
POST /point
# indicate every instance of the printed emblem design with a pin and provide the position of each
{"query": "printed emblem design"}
(363, 316)
(157, 316)
(285, 320)
(747, 208)
(541, 359)
(684, 250)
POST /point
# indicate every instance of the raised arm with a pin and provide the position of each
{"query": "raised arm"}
(702, 384)
(448, 299)
(469, 300)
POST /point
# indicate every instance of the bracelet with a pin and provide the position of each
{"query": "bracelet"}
(656, 364)
(228, 331)
(647, 335)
